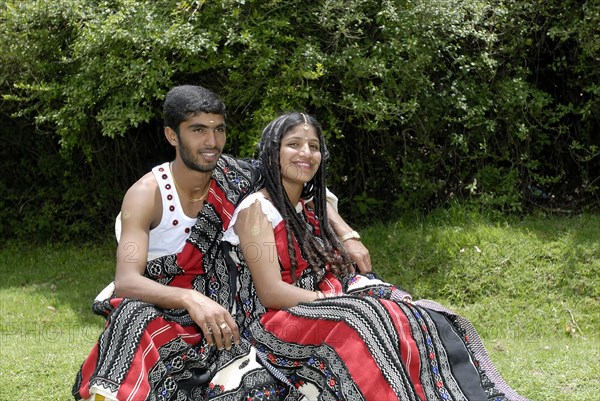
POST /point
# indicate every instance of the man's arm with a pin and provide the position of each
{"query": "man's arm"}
(355, 248)
(140, 208)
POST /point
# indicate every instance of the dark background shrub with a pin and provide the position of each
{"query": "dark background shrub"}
(424, 103)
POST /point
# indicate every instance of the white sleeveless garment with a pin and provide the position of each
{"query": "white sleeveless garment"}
(174, 227)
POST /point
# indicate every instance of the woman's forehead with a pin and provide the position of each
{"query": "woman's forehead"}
(298, 131)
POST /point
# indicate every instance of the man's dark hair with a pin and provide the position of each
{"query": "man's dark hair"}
(185, 101)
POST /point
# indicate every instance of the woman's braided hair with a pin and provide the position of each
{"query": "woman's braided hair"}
(319, 251)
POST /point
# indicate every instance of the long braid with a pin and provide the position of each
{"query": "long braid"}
(318, 251)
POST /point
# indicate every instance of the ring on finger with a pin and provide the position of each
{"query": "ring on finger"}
(223, 325)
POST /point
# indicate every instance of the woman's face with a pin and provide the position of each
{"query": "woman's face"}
(299, 154)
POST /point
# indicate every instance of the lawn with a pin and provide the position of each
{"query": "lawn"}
(531, 287)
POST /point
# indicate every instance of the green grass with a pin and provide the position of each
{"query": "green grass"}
(531, 287)
(47, 327)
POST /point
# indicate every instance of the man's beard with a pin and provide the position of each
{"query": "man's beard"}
(192, 165)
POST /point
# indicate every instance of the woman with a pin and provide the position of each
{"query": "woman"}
(332, 334)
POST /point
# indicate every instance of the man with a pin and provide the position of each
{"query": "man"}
(164, 306)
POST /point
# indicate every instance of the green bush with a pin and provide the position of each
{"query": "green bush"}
(491, 102)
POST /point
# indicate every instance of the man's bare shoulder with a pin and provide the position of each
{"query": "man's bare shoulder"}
(145, 187)
(143, 200)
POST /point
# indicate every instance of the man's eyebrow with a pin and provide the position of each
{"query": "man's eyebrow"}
(200, 125)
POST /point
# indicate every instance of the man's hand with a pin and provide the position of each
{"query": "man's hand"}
(216, 322)
(355, 249)
(359, 254)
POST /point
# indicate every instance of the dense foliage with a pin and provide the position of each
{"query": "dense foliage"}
(494, 102)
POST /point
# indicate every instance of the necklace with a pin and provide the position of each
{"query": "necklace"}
(183, 195)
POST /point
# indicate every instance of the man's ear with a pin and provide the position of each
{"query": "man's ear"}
(171, 136)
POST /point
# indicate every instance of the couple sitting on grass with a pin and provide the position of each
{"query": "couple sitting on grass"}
(263, 301)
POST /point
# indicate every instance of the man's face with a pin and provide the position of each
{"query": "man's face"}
(201, 141)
